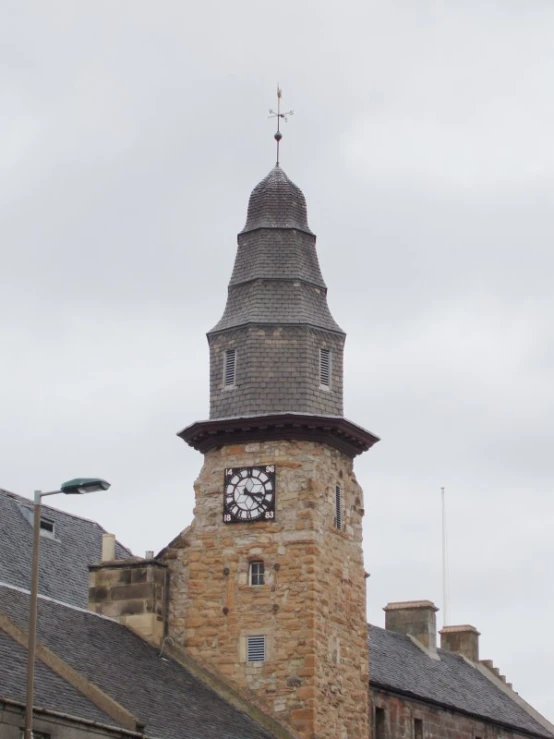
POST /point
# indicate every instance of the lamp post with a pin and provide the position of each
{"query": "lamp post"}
(79, 486)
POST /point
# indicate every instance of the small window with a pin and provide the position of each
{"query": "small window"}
(257, 573)
(379, 723)
(325, 367)
(338, 507)
(47, 526)
(230, 367)
(418, 728)
(255, 648)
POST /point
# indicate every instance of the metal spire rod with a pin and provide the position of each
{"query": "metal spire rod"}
(444, 563)
(277, 114)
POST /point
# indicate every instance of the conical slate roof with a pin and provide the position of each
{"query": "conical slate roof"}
(276, 325)
(276, 202)
(276, 277)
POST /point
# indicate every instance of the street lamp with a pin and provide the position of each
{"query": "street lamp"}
(79, 486)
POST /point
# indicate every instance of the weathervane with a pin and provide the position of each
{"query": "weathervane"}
(277, 114)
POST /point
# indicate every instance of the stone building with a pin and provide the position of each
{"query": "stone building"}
(251, 622)
(95, 676)
(270, 589)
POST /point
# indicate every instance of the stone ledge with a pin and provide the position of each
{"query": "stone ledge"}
(334, 431)
(124, 564)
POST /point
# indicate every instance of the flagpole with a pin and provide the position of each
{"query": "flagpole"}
(444, 564)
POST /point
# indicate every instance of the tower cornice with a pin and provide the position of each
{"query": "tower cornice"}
(335, 431)
(267, 324)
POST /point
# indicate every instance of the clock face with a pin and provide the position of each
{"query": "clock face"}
(249, 494)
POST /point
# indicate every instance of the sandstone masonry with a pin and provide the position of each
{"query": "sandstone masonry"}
(311, 608)
(404, 718)
(133, 591)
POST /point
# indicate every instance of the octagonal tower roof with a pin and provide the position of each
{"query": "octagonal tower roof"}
(276, 202)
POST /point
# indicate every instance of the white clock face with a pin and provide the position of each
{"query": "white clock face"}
(249, 494)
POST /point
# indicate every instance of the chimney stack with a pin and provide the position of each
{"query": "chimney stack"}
(135, 592)
(108, 547)
(413, 618)
(462, 640)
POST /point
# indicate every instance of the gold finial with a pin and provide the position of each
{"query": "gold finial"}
(277, 114)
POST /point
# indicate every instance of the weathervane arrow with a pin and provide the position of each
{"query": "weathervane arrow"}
(280, 116)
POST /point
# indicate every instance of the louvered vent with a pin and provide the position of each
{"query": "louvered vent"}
(338, 513)
(325, 367)
(230, 367)
(255, 647)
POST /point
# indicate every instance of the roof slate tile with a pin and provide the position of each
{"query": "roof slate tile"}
(51, 691)
(64, 557)
(399, 664)
(159, 692)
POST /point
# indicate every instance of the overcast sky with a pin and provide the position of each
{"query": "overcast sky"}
(131, 136)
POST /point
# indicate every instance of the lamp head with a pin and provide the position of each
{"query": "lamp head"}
(82, 485)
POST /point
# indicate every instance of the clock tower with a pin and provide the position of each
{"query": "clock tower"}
(268, 582)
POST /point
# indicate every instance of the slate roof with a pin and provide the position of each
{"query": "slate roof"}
(277, 302)
(64, 557)
(51, 692)
(170, 701)
(276, 202)
(277, 254)
(276, 317)
(397, 664)
(276, 276)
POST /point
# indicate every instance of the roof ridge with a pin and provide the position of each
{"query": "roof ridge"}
(27, 501)
(522, 719)
(92, 692)
(511, 693)
(46, 598)
(113, 729)
(161, 682)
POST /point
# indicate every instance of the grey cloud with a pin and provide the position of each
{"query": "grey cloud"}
(130, 140)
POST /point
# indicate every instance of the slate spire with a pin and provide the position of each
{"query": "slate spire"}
(276, 202)
(277, 348)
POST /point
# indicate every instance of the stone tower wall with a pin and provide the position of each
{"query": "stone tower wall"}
(277, 371)
(311, 608)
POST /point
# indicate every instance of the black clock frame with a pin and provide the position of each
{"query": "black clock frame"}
(264, 510)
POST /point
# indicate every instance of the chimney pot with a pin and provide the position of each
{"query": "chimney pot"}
(413, 618)
(462, 640)
(108, 547)
(149, 554)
